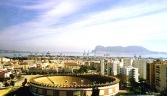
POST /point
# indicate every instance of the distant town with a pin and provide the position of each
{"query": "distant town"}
(137, 75)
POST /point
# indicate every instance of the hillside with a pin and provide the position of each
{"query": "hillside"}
(128, 49)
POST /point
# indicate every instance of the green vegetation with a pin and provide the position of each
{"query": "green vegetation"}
(83, 69)
(164, 92)
(158, 60)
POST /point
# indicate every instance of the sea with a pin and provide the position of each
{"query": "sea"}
(10, 54)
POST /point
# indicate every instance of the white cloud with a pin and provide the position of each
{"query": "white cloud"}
(122, 25)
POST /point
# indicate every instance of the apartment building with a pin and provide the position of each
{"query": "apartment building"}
(129, 72)
(150, 71)
(127, 61)
(161, 75)
(157, 74)
(102, 67)
(140, 63)
(113, 67)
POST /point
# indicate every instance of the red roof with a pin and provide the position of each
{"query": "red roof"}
(23, 63)
(2, 74)
(71, 64)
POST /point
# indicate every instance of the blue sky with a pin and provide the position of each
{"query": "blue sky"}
(78, 25)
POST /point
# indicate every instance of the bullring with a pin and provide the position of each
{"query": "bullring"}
(73, 85)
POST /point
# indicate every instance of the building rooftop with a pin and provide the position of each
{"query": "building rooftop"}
(71, 63)
(76, 80)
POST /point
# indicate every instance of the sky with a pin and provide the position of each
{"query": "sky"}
(78, 25)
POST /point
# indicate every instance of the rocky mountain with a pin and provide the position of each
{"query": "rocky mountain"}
(128, 49)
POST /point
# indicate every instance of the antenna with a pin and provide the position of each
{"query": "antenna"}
(48, 54)
(95, 54)
(19, 54)
(84, 53)
(88, 53)
(135, 56)
(43, 54)
(15, 55)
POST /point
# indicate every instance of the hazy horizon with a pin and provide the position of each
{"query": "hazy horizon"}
(86, 51)
(75, 26)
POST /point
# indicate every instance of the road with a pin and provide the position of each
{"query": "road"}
(19, 82)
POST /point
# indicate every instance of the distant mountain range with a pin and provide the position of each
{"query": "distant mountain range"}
(120, 49)
(109, 49)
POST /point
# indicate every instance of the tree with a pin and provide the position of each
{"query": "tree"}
(12, 83)
(95, 91)
(164, 92)
(6, 84)
(12, 76)
(158, 60)
(25, 81)
(83, 69)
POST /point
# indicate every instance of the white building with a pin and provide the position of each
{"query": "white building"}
(129, 72)
(141, 65)
(4, 73)
(102, 67)
(127, 61)
(110, 67)
(113, 67)
(4, 60)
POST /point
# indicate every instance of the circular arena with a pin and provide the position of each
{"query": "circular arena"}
(74, 85)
